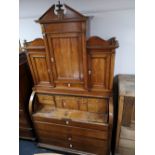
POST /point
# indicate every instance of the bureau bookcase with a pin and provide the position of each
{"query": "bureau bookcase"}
(71, 105)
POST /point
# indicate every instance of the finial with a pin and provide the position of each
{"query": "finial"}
(59, 5)
(60, 10)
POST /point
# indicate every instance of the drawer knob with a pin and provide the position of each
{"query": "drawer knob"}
(89, 72)
(67, 122)
(52, 59)
(69, 85)
(70, 145)
(69, 138)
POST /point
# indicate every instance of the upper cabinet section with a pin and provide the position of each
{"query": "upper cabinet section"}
(64, 32)
(64, 61)
(38, 63)
(101, 56)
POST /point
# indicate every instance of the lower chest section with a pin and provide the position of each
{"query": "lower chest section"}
(72, 124)
(72, 138)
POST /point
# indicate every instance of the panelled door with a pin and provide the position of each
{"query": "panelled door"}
(99, 70)
(66, 59)
(40, 69)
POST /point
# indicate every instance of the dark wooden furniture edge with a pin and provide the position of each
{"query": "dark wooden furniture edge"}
(26, 138)
(62, 149)
(31, 103)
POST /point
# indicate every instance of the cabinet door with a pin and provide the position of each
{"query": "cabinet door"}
(39, 69)
(66, 58)
(99, 70)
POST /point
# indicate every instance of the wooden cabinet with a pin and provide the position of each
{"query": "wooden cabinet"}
(38, 64)
(125, 140)
(40, 67)
(25, 84)
(66, 48)
(101, 63)
(72, 95)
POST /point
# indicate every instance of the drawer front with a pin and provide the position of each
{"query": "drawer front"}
(69, 138)
(103, 127)
(51, 135)
(46, 99)
(66, 102)
(68, 130)
(69, 86)
(95, 105)
(51, 141)
(74, 142)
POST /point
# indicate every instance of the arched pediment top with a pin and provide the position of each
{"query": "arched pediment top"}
(99, 43)
(36, 43)
(71, 15)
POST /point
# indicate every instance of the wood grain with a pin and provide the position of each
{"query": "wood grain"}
(71, 106)
(125, 140)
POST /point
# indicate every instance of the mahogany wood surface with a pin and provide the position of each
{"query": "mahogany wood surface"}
(71, 105)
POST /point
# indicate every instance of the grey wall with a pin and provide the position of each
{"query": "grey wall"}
(111, 18)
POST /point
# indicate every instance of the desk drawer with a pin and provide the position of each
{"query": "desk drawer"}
(88, 125)
(74, 142)
(70, 130)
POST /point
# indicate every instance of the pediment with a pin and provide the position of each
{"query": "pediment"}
(71, 15)
(95, 42)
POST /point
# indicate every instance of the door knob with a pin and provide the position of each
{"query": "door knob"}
(89, 72)
(52, 59)
(67, 122)
(70, 145)
(69, 84)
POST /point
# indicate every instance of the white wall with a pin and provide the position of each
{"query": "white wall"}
(111, 19)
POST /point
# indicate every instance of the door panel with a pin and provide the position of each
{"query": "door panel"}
(66, 58)
(99, 66)
(66, 69)
(39, 65)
